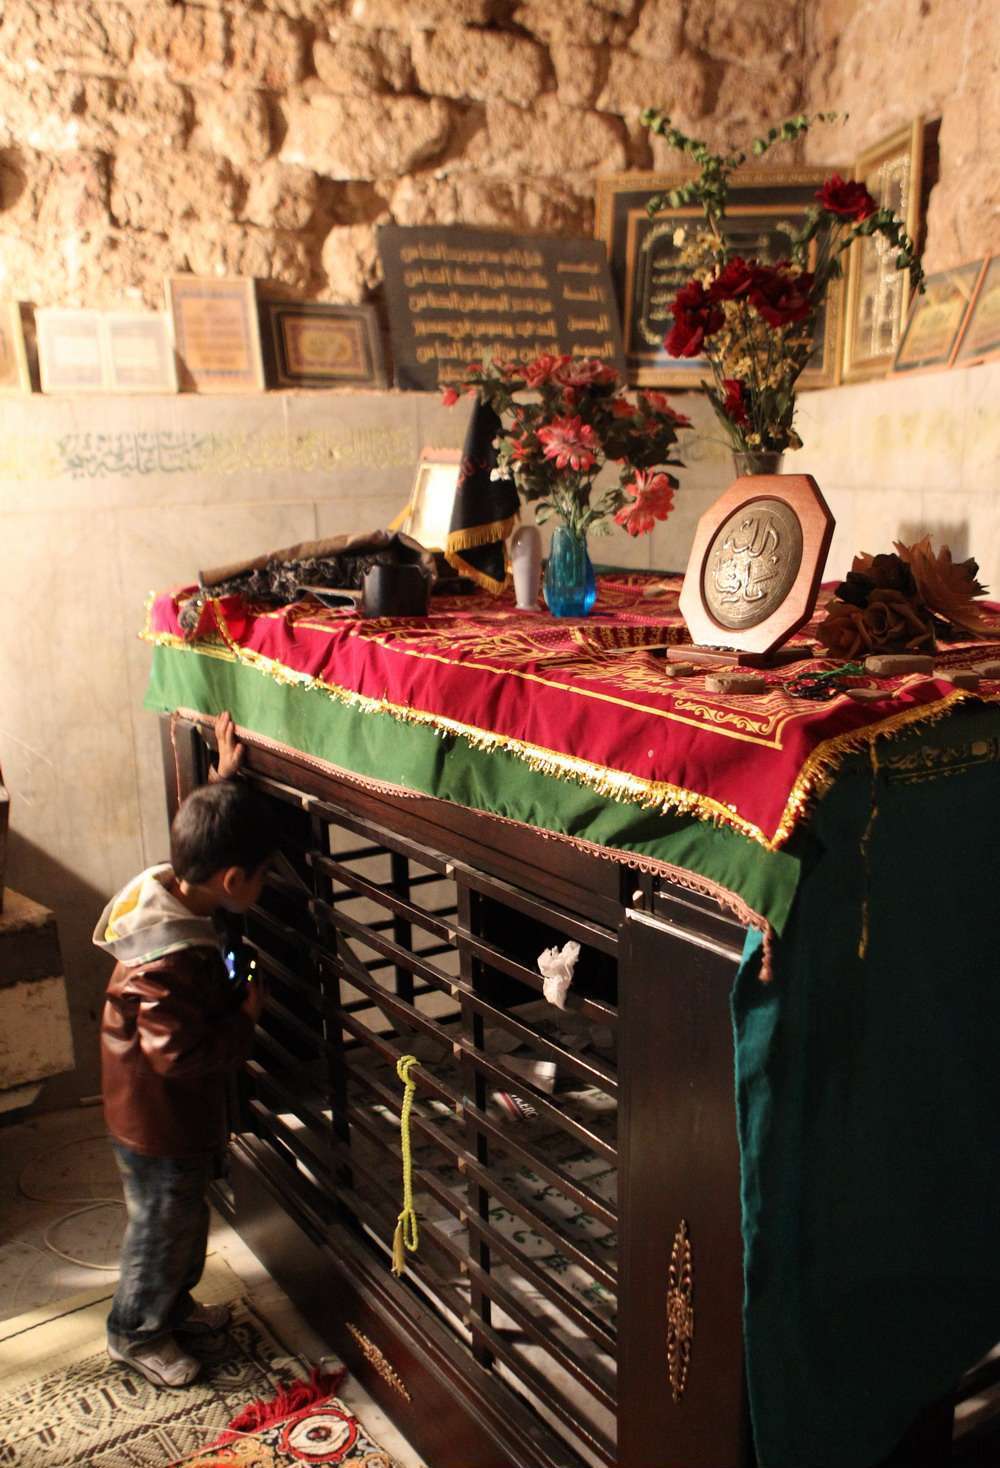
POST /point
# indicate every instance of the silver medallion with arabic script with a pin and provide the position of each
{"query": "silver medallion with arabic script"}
(752, 563)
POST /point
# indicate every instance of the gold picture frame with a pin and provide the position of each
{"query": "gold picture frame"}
(15, 377)
(216, 333)
(427, 515)
(641, 251)
(980, 339)
(877, 294)
(937, 319)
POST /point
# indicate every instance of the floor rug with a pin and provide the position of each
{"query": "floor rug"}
(323, 1432)
(63, 1404)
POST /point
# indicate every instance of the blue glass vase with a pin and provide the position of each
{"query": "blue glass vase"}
(570, 587)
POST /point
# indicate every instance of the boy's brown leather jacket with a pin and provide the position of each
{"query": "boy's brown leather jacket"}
(172, 1028)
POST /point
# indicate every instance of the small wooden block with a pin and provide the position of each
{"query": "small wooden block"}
(678, 670)
(892, 665)
(988, 670)
(735, 683)
(961, 677)
(867, 695)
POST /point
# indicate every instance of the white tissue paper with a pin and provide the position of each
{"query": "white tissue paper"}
(556, 967)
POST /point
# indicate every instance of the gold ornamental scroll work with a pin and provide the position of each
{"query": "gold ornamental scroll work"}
(378, 1362)
(680, 1311)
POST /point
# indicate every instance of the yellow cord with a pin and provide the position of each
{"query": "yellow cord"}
(407, 1234)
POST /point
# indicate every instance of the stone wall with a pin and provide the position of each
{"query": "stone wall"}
(885, 62)
(139, 138)
(142, 137)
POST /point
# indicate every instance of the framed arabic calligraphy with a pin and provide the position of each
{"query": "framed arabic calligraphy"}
(646, 257)
(756, 564)
(878, 295)
(14, 374)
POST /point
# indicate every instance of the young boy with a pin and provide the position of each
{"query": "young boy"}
(175, 1025)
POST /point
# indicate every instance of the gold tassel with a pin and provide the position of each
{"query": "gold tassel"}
(398, 1252)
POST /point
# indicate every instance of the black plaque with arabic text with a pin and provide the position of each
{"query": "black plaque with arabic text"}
(455, 294)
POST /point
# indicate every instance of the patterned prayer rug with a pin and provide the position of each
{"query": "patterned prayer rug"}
(323, 1432)
(63, 1404)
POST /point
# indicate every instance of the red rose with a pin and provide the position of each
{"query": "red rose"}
(847, 198)
(449, 397)
(622, 408)
(733, 405)
(781, 297)
(734, 280)
(696, 316)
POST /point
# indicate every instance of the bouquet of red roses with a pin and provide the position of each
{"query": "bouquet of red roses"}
(562, 419)
(755, 321)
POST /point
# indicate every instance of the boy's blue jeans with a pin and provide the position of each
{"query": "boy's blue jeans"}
(163, 1253)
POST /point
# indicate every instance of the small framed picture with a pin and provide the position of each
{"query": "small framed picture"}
(71, 354)
(936, 319)
(878, 295)
(140, 352)
(980, 340)
(309, 344)
(14, 374)
(427, 516)
(216, 333)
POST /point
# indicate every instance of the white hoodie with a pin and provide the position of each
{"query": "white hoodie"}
(145, 921)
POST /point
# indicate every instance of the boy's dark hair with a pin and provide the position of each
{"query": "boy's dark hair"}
(218, 826)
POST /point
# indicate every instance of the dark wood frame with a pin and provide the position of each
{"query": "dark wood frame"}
(674, 954)
(765, 194)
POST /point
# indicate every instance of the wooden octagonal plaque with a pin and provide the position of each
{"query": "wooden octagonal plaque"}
(756, 563)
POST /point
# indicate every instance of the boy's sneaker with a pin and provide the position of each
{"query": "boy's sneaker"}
(204, 1320)
(161, 1361)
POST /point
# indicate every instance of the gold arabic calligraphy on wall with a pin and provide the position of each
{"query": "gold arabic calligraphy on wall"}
(752, 563)
(138, 454)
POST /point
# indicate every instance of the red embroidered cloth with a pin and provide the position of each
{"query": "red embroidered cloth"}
(584, 699)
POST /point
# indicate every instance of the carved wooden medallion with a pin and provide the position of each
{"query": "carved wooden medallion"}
(756, 563)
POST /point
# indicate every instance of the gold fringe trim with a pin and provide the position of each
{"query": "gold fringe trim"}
(814, 779)
(475, 535)
(821, 766)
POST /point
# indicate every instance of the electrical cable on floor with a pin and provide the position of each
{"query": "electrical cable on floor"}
(89, 1204)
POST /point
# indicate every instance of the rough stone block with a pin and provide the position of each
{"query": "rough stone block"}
(265, 51)
(545, 207)
(234, 125)
(580, 72)
(419, 14)
(744, 30)
(351, 263)
(29, 941)
(184, 42)
(86, 36)
(677, 86)
(157, 190)
(579, 22)
(364, 137)
(358, 61)
(460, 61)
(660, 30)
(548, 141)
(244, 249)
(749, 100)
(281, 196)
(35, 1036)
